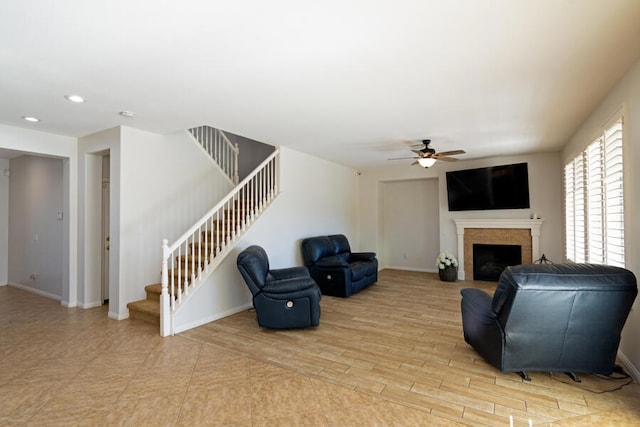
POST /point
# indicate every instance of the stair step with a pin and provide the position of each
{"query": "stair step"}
(145, 310)
(194, 248)
(226, 227)
(235, 214)
(244, 204)
(153, 291)
(182, 276)
(188, 259)
(215, 235)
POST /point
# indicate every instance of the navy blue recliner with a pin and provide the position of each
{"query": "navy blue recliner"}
(338, 271)
(283, 298)
(550, 318)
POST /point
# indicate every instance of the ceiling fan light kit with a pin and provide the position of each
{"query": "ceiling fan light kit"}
(426, 162)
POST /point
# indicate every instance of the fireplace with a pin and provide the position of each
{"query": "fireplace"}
(523, 232)
(490, 260)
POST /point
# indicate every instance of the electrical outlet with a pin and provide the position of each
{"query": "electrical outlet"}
(33, 276)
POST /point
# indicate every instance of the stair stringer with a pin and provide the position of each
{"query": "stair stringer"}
(218, 232)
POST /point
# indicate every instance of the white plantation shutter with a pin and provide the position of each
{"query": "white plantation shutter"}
(579, 217)
(614, 195)
(569, 210)
(574, 210)
(594, 201)
(595, 206)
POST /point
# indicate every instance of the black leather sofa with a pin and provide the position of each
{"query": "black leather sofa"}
(337, 270)
(284, 298)
(550, 318)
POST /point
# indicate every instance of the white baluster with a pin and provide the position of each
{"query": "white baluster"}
(193, 264)
(165, 309)
(172, 294)
(179, 277)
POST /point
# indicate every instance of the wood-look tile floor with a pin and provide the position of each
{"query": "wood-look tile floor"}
(391, 355)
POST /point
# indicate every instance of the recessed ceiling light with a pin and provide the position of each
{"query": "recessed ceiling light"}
(30, 119)
(75, 98)
(127, 113)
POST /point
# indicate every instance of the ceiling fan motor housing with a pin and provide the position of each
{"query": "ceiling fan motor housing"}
(427, 149)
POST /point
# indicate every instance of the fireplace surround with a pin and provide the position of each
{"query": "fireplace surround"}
(525, 232)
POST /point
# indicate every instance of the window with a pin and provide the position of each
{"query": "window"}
(594, 201)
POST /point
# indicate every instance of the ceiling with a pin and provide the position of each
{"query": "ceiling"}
(350, 81)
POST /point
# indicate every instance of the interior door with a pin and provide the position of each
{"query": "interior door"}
(105, 241)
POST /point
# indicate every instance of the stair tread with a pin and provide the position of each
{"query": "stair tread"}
(155, 288)
(145, 306)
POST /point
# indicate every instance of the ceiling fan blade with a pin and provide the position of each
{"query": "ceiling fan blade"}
(445, 158)
(451, 153)
(420, 153)
(403, 158)
(414, 163)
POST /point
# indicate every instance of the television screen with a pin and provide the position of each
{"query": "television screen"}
(496, 187)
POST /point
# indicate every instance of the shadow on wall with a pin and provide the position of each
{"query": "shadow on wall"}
(252, 153)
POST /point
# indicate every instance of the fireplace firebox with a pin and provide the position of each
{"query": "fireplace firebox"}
(490, 260)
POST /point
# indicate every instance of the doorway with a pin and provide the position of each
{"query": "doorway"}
(105, 226)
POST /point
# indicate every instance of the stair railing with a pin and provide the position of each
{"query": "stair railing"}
(195, 255)
(222, 151)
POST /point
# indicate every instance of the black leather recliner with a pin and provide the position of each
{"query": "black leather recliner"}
(550, 318)
(337, 270)
(283, 298)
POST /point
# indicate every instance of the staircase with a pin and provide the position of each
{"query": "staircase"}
(219, 148)
(192, 258)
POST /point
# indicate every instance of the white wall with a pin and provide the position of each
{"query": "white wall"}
(40, 143)
(545, 192)
(159, 186)
(252, 153)
(410, 208)
(318, 197)
(4, 221)
(625, 94)
(167, 185)
(35, 235)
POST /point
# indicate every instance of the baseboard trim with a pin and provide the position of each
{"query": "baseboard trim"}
(116, 316)
(631, 370)
(36, 291)
(403, 268)
(203, 321)
(93, 304)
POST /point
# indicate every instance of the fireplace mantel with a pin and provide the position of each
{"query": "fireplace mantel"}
(532, 224)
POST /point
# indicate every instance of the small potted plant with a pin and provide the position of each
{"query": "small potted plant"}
(447, 267)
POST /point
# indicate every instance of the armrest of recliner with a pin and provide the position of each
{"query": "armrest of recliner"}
(480, 325)
(331, 262)
(288, 286)
(363, 256)
(288, 273)
(479, 302)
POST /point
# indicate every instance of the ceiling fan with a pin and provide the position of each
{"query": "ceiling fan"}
(427, 156)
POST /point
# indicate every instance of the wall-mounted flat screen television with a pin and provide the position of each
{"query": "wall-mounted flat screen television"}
(495, 187)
